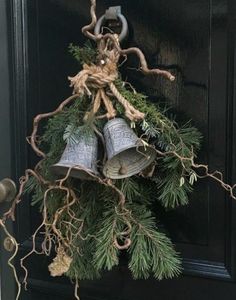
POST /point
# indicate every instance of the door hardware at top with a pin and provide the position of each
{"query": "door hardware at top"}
(113, 13)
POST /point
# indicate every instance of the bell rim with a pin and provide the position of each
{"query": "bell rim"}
(152, 153)
(80, 168)
(138, 145)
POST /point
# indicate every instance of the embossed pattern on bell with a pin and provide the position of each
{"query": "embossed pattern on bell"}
(126, 153)
(118, 136)
(81, 156)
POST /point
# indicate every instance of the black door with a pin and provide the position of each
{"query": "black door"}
(196, 40)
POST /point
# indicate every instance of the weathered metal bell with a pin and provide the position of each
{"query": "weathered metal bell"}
(80, 156)
(127, 155)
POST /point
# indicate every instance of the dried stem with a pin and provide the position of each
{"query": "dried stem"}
(86, 29)
(23, 180)
(34, 250)
(143, 62)
(124, 52)
(77, 289)
(38, 118)
(216, 175)
(10, 264)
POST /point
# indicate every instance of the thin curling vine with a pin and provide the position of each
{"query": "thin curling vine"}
(87, 224)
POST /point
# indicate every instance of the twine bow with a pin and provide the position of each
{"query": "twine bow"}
(98, 80)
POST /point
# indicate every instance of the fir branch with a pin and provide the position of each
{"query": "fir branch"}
(73, 134)
(168, 137)
(158, 125)
(70, 134)
(149, 130)
(90, 209)
(153, 114)
(137, 190)
(106, 254)
(73, 115)
(84, 55)
(130, 188)
(151, 251)
(171, 193)
(82, 266)
(35, 190)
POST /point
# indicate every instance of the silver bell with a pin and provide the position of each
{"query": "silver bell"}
(127, 155)
(80, 156)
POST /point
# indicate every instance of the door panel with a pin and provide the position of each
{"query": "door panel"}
(196, 41)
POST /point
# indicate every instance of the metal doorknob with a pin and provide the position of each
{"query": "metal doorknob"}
(7, 190)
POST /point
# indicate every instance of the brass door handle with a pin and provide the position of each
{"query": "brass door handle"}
(7, 190)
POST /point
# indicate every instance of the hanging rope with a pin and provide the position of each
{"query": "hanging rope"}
(98, 79)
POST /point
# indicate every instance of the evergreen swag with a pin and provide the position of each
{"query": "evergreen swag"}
(151, 251)
(89, 223)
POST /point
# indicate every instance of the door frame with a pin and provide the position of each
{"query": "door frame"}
(13, 150)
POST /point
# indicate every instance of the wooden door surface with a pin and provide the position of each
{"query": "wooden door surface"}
(196, 41)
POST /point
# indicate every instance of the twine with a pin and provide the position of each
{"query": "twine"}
(96, 80)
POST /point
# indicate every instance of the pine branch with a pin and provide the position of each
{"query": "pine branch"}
(130, 188)
(153, 113)
(84, 55)
(171, 193)
(73, 134)
(89, 209)
(106, 254)
(151, 251)
(82, 266)
(137, 190)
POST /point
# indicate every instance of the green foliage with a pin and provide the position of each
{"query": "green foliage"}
(98, 216)
(35, 189)
(90, 212)
(158, 125)
(52, 140)
(84, 55)
(153, 114)
(151, 251)
(137, 190)
(82, 266)
(171, 192)
(106, 254)
(167, 136)
(53, 145)
(73, 134)
(130, 188)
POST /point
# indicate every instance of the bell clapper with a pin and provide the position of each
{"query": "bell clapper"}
(123, 170)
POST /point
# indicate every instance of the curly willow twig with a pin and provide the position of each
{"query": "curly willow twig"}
(124, 52)
(205, 168)
(38, 118)
(86, 29)
(10, 264)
